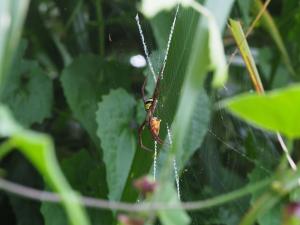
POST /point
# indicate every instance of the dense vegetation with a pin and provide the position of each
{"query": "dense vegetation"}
(71, 106)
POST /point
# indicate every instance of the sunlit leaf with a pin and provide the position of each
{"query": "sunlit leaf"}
(275, 111)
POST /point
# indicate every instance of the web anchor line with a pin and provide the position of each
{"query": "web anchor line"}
(155, 160)
(145, 47)
(146, 51)
(174, 164)
(169, 43)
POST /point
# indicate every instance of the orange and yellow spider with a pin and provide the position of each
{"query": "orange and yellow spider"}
(152, 122)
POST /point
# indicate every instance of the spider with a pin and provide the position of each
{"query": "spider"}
(152, 122)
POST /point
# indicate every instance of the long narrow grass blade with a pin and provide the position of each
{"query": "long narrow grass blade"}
(242, 44)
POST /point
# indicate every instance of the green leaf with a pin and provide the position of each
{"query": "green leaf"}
(197, 130)
(198, 66)
(89, 185)
(276, 111)
(85, 80)
(39, 150)
(167, 194)
(118, 139)
(217, 59)
(27, 91)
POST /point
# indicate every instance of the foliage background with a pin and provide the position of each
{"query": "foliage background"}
(71, 79)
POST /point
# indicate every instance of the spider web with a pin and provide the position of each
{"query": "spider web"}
(232, 152)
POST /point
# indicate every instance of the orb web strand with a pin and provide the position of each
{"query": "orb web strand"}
(176, 178)
(174, 164)
(286, 151)
(287, 154)
(155, 160)
(169, 134)
(169, 43)
(145, 46)
(238, 152)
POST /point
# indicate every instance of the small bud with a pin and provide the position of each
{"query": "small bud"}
(145, 185)
(292, 213)
(126, 220)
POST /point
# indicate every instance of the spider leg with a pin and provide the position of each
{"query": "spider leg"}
(141, 128)
(156, 137)
(143, 90)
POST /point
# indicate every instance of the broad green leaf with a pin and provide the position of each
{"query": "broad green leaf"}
(85, 80)
(118, 140)
(276, 111)
(39, 150)
(167, 194)
(89, 185)
(27, 91)
(217, 59)
(198, 67)
(197, 130)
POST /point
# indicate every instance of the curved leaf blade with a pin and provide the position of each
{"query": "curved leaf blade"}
(118, 139)
(276, 111)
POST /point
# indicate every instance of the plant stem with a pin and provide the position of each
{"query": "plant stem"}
(234, 195)
(38, 195)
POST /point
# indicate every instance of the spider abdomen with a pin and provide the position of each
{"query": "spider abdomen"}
(155, 125)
